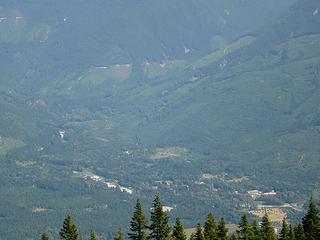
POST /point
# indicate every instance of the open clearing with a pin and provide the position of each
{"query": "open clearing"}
(7, 144)
(39, 210)
(274, 214)
(170, 152)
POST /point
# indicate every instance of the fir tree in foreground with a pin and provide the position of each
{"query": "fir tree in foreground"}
(311, 222)
(69, 230)
(267, 230)
(178, 231)
(138, 224)
(120, 235)
(222, 231)
(233, 237)
(210, 228)
(291, 234)
(45, 236)
(256, 232)
(245, 231)
(285, 231)
(298, 232)
(93, 236)
(159, 228)
(199, 234)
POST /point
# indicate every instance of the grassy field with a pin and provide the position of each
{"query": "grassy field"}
(8, 144)
(219, 54)
(170, 152)
(274, 214)
(97, 75)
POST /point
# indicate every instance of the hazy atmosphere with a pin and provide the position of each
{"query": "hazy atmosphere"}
(214, 105)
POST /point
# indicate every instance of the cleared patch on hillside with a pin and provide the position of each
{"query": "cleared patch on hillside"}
(238, 180)
(26, 163)
(274, 214)
(12, 25)
(170, 152)
(100, 74)
(39, 210)
(8, 144)
(156, 69)
(207, 176)
(306, 45)
(88, 210)
(219, 54)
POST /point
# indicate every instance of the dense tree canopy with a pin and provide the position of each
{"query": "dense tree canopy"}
(159, 229)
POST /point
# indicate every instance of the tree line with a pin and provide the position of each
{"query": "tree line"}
(159, 228)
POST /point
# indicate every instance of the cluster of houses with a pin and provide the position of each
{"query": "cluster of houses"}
(254, 194)
(109, 184)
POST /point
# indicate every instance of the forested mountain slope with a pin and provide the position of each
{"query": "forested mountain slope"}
(203, 102)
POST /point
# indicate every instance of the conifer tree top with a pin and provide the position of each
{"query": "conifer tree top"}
(159, 227)
(178, 232)
(311, 222)
(69, 230)
(45, 236)
(138, 223)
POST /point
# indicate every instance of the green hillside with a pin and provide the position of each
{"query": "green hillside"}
(104, 102)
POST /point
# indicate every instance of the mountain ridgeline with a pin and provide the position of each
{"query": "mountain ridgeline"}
(214, 104)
